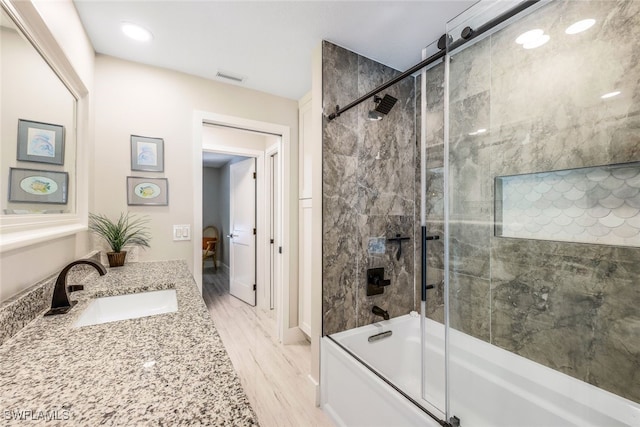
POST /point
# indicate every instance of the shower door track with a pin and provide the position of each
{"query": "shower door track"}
(468, 35)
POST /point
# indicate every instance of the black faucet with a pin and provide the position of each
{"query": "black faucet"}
(380, 312)
(60, 303)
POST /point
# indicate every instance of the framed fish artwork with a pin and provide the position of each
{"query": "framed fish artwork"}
(147, 191)
(38, 186)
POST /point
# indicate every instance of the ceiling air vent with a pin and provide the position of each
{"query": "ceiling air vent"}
(230, 76)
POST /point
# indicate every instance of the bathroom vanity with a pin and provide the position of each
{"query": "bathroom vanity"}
(164, 369)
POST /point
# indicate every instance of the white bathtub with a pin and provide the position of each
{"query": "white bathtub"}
(489, 386)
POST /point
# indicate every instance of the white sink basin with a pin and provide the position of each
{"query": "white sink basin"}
(130, 306)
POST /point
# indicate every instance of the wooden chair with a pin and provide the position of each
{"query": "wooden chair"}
(209, 245)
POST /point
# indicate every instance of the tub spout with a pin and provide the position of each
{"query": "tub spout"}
(60, 303)
(380, 312)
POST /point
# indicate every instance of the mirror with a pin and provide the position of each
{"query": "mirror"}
(44, 113)
(37, 131)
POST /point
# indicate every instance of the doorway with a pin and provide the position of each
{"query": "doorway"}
(237, 137)
(229, 214)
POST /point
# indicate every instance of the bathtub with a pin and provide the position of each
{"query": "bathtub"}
(489, 386)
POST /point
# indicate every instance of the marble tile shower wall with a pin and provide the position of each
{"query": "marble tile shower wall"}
(570, 306)
(365, 197)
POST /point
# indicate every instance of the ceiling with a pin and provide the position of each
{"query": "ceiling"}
(217, 160)
(268, 42)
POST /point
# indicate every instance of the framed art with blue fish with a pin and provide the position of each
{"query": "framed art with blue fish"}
(147, 154)
(40, 142)
(38, 186)
(147, 191)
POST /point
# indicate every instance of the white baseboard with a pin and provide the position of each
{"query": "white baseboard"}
(316, 387)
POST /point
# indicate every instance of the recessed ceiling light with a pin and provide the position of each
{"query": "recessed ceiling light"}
(537, 43)
(529, 36)
(610, 94)
(580, 26)
(136, 32)
(532, 39)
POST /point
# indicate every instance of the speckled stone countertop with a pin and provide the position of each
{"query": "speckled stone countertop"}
(169, 369)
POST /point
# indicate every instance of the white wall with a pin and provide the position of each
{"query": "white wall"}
(211, 197)
(63, 21)
(143, 100)
(23, 267)
(213, 204)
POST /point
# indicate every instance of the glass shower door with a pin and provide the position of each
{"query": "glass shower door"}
(542, 216)
(432, 307)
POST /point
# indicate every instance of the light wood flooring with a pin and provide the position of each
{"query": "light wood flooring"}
(273, 375)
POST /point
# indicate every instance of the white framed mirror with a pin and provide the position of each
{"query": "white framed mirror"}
(43, 127)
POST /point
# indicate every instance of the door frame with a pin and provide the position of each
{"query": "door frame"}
(278, 235)
(287, 332)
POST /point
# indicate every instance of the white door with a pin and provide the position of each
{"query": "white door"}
(242, 215)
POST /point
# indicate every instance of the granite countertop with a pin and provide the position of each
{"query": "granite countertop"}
(169, 369)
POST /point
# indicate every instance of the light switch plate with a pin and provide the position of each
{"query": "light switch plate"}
(181, 232)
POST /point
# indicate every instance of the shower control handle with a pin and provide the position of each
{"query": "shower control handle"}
(376, 281)
(381, 282)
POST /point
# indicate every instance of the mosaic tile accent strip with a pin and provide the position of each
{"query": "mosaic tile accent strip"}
(589, 205)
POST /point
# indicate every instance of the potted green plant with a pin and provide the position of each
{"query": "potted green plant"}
(128, 230)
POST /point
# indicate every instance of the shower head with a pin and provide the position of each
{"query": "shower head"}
(382, 108)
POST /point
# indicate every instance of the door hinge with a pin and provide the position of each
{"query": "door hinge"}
(254, 175)
(254, 231)
(254, 287)
(279, 249)
(271, 241)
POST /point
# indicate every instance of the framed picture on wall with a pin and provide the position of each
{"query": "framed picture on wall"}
(147, 154)
(40, 142)
(147, 191)
(38, 186)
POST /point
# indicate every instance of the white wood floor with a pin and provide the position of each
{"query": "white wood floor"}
(273, 375)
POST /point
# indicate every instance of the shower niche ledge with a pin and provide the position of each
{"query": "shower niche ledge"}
(599, 204)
